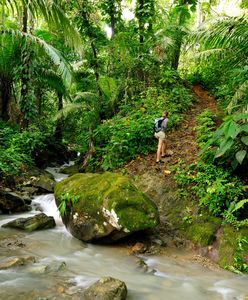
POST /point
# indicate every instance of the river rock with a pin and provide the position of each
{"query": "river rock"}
(53, 267)
(37, 222)
(107, 288)
(138, 248)
(11, 262)
(12, 202)
(29, 190)
(70, 170)
(43, 182)
(105, 206)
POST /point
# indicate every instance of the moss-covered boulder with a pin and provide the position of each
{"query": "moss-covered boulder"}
(43, 182)
(104, 205)
(228, 244)
(202, 230)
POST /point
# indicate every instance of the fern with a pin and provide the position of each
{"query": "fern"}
(67, 201)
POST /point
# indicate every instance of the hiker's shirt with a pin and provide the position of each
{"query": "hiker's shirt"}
(164, 125)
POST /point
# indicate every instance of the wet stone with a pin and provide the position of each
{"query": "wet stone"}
(38, 222)
(12, 202)
(138, 248)
(15, 262)
(107, 288)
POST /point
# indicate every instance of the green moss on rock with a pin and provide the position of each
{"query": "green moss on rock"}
(203, 232)
(228, 243)
(108, 202)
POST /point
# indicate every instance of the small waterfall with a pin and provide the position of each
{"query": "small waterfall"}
(46, 204)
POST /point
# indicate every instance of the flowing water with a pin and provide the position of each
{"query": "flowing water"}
(65, 266)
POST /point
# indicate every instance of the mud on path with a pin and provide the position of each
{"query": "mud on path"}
(157, 180)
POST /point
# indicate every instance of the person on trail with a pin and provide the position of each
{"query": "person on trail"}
(160, 129)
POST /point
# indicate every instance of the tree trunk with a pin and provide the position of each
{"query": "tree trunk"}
(179, 41)
(112, 14)
(5, 94)
(88, 155)
(95, 65)
(177, 52)
(25, 72)
(198, 13)
(141, 26)
(58, 129)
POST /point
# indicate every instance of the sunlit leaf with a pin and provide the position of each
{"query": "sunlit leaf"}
(241, 116)
(239, 205)
(244, 139)
(224, 146)
(244, 127)
(233, 130)
(240, 155)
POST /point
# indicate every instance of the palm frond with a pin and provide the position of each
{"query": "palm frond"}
(9, 53)
(64, 68)
(53, 14)
(240, 98)
(230, 33)
(10, 4)
(70, 108)
(219, 53)
(86, 101)
(85, 97)
(53, 81)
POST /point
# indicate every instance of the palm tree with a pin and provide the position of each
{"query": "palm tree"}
(52, 12)
(226, 39)
(9, 52)
(10, 63)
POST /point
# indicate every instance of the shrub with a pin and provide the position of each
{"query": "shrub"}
(215, 187)
(18, 149)
(230, 141)
(130, 133)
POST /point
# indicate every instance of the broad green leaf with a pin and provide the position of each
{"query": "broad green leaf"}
(224, 146)
(241, 116)
(233, 130)
(244, 139)
(244, 127)
(216, 136)
(226, 126)
(218, 133)
(240, 155)
(234, 163)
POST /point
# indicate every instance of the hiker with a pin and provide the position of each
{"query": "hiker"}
(160, 128)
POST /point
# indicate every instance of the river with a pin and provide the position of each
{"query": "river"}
(65, 266)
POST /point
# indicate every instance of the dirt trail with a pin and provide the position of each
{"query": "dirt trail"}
(158, 183)
(181, 141)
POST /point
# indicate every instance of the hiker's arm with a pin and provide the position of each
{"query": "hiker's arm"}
(164, 124)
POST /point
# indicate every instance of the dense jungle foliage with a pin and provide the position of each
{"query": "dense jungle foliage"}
(91, 76)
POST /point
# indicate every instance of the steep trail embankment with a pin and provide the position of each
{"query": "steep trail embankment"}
(158, 181)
